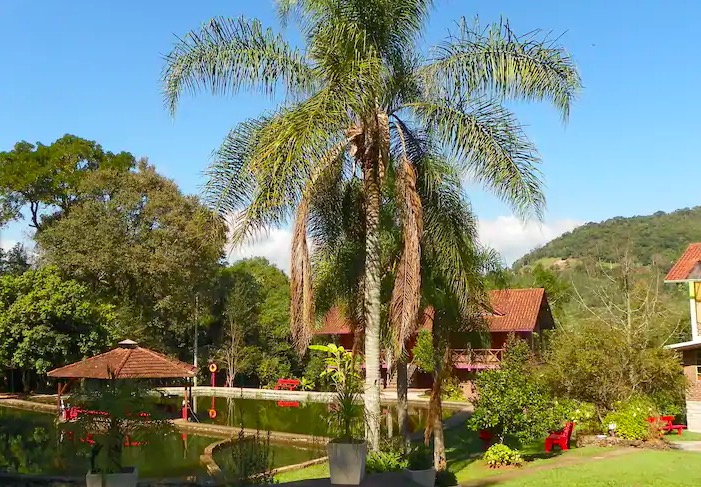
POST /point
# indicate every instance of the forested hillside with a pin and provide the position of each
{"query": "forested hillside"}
(660, 237)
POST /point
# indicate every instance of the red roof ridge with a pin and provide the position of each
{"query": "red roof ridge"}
(682, 269)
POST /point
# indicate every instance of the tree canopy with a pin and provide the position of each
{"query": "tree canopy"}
(149, 249)
(46, 320)
(45, 178)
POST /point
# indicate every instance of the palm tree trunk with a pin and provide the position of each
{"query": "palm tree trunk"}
(372, 304)
(436, 416)
(402, 399)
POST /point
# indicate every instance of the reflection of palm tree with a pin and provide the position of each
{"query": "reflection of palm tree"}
(231, 411)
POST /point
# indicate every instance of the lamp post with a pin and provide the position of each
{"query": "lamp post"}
(197, 324)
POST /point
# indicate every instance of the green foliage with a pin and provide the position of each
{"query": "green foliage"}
(151, 251)
(513, 401)
(630, 418)
(661, 238)
(499, 455)
(385, 461)
(346, 413)
(420, 457)
(584, 414)
(47, 321)
(314, 369)
(452, 390)
(14, 261)
(614, 346)
(423, 354)
(251, 461)
(47, 177)
(272, 368)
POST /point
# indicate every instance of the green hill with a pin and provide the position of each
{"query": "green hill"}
(660, 238)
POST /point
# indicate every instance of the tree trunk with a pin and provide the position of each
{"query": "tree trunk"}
(372, 304)
(402, 399)
(436, 407)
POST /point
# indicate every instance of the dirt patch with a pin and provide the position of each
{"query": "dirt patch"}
(611, 441)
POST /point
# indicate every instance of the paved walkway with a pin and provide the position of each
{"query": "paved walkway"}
(388, 479)
(387, 397)
(687, 445)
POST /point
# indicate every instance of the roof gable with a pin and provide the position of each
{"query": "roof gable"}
(688, 267)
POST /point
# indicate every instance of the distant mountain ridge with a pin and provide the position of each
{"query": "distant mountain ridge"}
(660, 237)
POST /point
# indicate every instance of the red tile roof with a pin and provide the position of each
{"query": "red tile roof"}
(335, 323)
(686, 263)
(514, 310)
(128, 361)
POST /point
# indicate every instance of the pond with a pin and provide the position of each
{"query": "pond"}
(30, 443)
(308, 418)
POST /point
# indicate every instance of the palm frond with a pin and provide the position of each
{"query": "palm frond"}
(489, 143)
(406, 293)
(497, 62)
(227, 55)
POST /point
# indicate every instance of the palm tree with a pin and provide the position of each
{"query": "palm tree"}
(353, 94)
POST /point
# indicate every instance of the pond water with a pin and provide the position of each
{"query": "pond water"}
(30, 443)
(308, 418)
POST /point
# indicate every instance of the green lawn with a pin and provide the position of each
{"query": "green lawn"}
(685, 436)
(637, 469)
(314, 472)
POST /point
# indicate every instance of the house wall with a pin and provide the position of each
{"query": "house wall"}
(690, 361)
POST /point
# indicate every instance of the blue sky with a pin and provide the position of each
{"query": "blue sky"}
(92, 68)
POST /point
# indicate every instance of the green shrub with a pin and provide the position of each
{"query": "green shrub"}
(500, 455)
(385, 461)
(630, 418)
(452, 390)
(582, 413)
(420, 457)
(424, 357)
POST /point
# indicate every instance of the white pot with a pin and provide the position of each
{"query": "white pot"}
(347, 462)
(425, 478)
(129, 477)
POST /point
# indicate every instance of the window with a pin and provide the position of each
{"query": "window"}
(698, 365)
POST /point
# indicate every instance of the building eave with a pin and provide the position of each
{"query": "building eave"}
(690, 345)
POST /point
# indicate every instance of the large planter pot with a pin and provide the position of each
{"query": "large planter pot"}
(425, 478)
(129, 477)
(347, 462)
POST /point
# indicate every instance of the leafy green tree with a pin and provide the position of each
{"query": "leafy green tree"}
(150, 249)
(14, 261)
(423, 352)
(47, 177)
(47, 321)
(360, 99)
(512, 401)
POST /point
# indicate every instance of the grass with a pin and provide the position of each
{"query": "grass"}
(643, 468)
(685, 436)
(319, 471)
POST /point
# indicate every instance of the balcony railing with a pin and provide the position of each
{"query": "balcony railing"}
(477, 358)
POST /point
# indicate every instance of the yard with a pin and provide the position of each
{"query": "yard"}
(579, 467)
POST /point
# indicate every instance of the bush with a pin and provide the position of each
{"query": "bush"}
(423, 354)
(385, 461)
(420, 457)
(250, 461)
(500, 455)
(630, 418)
(452, 390)
(513, 401)
(582, 413)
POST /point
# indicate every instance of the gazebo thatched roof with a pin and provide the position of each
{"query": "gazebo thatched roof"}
(128, 361)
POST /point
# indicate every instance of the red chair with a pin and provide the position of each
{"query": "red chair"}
(487, 437)
(560, 438)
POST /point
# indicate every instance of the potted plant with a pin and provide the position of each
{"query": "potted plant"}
(347, 450)
(112, 415)
(420, 468)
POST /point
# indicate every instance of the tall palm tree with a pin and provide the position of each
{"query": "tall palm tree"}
(359, 83)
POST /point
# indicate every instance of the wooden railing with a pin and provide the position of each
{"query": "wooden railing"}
(477, 357)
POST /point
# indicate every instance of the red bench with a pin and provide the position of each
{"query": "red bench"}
(560, 438)
(487, 437)
(287, 384)
(666, 424)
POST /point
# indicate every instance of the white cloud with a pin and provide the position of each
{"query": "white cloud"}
(512, 238)
(506, 234)
(274, 246)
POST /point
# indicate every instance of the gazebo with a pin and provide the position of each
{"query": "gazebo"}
(127, 361)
